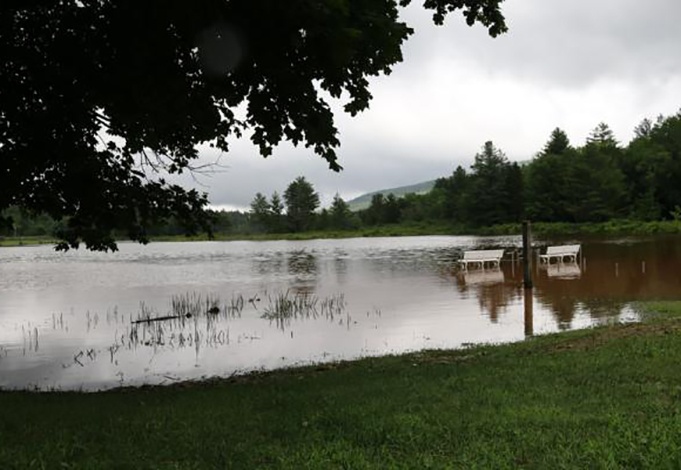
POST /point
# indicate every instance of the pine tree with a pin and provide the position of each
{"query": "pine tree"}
(339, 213)
(260, 213)
(301, 202)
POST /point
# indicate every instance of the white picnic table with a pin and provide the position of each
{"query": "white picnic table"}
(481, 257)
(561, 252)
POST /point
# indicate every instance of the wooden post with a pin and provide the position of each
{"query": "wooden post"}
(527, 254)
(529, 313)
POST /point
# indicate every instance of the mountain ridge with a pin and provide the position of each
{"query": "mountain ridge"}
(364, 201)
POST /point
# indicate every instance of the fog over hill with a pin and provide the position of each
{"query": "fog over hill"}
(363, 201)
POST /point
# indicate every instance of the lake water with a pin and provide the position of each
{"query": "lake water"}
(78, 320)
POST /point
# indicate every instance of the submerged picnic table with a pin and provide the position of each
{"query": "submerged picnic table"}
(481, 257)
(561, 252)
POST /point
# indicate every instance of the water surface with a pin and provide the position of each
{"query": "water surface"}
(72, 320)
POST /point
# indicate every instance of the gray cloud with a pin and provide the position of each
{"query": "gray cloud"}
(243, 172)
(562, 42)
(565, 63)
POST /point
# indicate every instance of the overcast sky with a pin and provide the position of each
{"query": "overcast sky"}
(564, 63)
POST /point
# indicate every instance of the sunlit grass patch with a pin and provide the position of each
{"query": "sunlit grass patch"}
(658, 308)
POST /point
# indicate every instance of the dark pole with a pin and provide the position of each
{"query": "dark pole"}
(529, 313)
(527, 254)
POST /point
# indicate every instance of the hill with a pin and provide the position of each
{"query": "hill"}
(363, 201)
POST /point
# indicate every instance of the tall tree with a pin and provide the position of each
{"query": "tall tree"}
(460, 194)
(558, 143)
(339, 214)
(260, 212)
(98, 98)
(643, 129)
(488, 198)
(595, 186)
(547, 177)
(392, 210)
(515, 193)
(455, 190)
(301, 202)
(374, 214)
(276, 213)
(602, 136)
(420, 207)
(666, 137)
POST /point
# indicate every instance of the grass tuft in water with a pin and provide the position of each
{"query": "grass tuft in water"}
(283, 307)
(193, 304)
(235, 305)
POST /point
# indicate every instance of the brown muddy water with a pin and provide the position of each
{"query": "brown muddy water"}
(168, 312)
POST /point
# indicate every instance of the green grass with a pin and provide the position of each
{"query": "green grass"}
(28, 240)
(394, 230)
(608, 397)
(540, 229)
(610, 228)
(659, 309)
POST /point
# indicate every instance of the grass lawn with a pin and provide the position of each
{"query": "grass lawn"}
(26, 241)
(608, 397)
(611, 228)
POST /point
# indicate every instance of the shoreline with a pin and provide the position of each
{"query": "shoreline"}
(540, 229)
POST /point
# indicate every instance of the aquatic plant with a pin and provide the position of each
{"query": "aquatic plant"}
(196, 320)
(333, 305)
(187, 305)
(235, 306)
(285, 306)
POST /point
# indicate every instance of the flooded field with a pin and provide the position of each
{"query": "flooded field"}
(176, 311)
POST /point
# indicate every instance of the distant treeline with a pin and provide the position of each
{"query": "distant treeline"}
(599, 181)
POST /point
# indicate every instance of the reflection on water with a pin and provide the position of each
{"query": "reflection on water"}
(528, 311)
(493, 294)
(569, 270)
(481, 276)
(177, 311)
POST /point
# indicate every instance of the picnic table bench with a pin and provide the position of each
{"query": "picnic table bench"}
(560, 252)
(481, 257)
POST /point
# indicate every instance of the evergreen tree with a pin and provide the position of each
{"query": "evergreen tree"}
(514, 193)
(301, 202)
(602, 136)
(595, 185)
(323, 220)
(373, 215)
(487, 202)
(260, 213)
(276, 223)
(558, 143)
(339, 214)
(665, 138)
(454, 189)
(643, 129)
(419, 207)
(391, 210)
(547, 176)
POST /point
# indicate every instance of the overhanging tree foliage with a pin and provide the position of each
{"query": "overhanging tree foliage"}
(100, 98)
